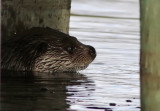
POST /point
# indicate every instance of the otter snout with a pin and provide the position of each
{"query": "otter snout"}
(92, 51)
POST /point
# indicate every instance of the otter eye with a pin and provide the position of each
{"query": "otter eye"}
(71, 49)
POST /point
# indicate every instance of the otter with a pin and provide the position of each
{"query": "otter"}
(45, 50)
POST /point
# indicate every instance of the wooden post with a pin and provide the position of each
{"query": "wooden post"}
(18, 15)
(150, 55)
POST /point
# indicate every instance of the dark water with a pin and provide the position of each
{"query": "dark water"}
(39, 91)
(111, 82)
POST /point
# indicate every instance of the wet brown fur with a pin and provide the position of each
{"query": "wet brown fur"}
(27, 51)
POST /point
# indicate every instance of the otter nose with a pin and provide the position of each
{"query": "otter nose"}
(92, 51)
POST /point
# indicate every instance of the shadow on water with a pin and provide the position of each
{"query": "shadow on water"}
(26, 91)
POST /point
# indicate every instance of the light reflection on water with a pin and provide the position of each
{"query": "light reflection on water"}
(112, 27)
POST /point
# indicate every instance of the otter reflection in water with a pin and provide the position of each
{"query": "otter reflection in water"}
(45, 50)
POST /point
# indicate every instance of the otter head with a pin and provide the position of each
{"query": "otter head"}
(65, 54)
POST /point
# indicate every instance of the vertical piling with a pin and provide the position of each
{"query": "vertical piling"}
(18, 15)
(150, 55)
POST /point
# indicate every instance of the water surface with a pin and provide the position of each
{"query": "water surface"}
(110, 83)
(112, 27)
